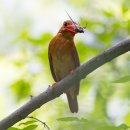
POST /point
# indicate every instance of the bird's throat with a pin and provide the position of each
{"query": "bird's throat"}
(70, 30)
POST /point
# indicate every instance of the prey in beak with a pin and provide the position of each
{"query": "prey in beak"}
(78, 28)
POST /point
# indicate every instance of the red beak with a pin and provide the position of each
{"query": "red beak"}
(75, 28)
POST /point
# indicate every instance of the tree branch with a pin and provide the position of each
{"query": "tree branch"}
(61, 86)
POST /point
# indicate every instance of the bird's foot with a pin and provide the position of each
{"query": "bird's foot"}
(53, 87)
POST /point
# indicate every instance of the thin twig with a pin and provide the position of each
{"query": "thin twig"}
(45, 125)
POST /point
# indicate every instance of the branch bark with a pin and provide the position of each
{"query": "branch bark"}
(60, 87)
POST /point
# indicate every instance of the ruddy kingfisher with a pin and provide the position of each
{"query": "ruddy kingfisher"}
(63, 58)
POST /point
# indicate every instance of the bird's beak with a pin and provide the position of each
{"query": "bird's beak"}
(76, 28)
(79, 29)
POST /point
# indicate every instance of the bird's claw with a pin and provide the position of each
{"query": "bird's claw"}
(53, 87)
(72, 72)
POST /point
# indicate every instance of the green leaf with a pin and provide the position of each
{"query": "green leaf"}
(27, 122)
(31, 127)
(123, 127)
(72, 119)
(127, 119)
(44, 38)
(123, 79)
(26, 127)
(68, 119)
(13, 128)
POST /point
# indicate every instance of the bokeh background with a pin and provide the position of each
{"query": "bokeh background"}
(26, 28)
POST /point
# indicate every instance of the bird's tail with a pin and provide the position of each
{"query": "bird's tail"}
(73, 103)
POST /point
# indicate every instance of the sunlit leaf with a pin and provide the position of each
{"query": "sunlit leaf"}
(107, 23)
(72, 119)
(68, 119)
(27, 122)
(108, 13)
(123, 127)
(123, 79)
(127, 119)
(107, 127)
(31, 127)
(13, 128)
(42, 40)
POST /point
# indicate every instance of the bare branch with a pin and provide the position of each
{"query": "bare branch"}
(60, 87)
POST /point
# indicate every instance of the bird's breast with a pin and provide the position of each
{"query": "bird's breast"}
(63, 61)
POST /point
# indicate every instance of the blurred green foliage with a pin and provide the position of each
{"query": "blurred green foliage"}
(123, 79)
(104, 99)
(21, 89)
(30, 127)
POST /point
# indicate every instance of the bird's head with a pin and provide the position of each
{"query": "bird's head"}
(71, 27)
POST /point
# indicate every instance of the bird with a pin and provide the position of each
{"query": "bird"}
(63, 58)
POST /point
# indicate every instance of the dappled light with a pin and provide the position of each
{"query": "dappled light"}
(26, 28)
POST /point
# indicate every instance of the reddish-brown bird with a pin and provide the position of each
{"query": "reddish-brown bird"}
(63, 58)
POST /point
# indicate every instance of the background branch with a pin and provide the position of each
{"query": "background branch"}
(51, 93)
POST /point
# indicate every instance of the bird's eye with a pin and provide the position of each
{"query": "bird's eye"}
(65, 24)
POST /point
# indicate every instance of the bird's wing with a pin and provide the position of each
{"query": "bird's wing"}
(51, 64)
(75, 57)
(76, 63)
